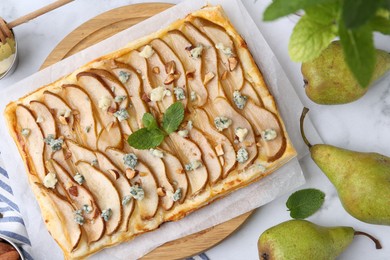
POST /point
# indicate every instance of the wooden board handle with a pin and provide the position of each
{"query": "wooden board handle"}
(37, 13)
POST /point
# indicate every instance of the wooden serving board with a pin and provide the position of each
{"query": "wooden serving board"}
(98, 29)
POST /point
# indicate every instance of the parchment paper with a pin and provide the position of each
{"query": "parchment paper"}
(283, 180)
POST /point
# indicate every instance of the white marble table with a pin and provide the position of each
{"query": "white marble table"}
(363, 125)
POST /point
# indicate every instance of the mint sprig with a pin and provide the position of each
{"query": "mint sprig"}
(353, 20)
(152, 135)
(304, 203)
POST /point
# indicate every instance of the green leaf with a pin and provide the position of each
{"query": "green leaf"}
(304, 203)
(309, 38)
(356, 13)
(324, 13)
(149, 121)
(280, 8)
(173, 117)
(359, 52)
(380, 24)
(145, 139)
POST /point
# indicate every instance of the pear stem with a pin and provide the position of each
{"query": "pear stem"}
(303, 115)
(376, 241)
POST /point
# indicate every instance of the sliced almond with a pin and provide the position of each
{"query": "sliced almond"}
(143, 174)
(130, 173)
(247, 143)
(169, 79)
(68, 154)
(233, 62)
(209, 76)
(161, 192)
(145, 97)
(114, 173)
(111, 110)
(180, 171)
(74, 191)
(224, 75)
(219, 150)
(221, 160)
(170, 67)
(156, 70)
(190, 74)
(62, 120)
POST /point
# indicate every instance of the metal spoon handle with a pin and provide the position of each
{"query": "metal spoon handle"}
(37, 13)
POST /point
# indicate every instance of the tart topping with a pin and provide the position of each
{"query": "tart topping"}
(104, 103)
(114, 173)
(177, 194)
(130, 160)
(193, 96)
(241, 133)
(193, 165)
(147, 52)
(87, 129)
(55, 144)
(161, 192)
(219, 150)
(106, 214)
(25, 132)
(225, 50)
(78, 217)
(156, 153)
(183, 133)
(269, 134)
(121, 114)
(94, 162)
(156, 70)
(87, 208)
(170, 67)
(79, 178)
(233, 62)
(73, 191)
(130, 173)
(39, 119)
(123, 76)
(50, 180)
(208, 77)
(242, 155)
(189, 125)
(159, 93)
(222, 122)
(119, 99)
(137, 192)
(239, 100)
(196, 52)
(126, 200)
(179, 93)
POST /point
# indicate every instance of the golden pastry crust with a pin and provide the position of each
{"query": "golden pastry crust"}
(234, 180)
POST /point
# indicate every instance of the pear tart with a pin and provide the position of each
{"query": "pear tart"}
(93, 188)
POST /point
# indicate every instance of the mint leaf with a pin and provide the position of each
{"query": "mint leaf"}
(280, 8)
(145, 139)
(356, 13)
(149, 121)
(173, 117)
(380, 24)
(359, 52)
(309, 38)
(324, 13)
(304, 203)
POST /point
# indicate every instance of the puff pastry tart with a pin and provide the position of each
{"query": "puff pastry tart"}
(95, 190)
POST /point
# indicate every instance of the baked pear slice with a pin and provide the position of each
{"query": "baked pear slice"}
(227, 155)
(179, 43)
(122, 185)
(249, 91)
(107, 196)
(80, 196)
(65, 214)
(80, 153)
(86, 125)
(62, 114)
(148, 205)
(209, 157)
(190, 154)
(32, 143)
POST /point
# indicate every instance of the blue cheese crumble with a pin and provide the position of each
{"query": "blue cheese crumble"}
(130, 160)
(25, 132)
(241, 133)
(193, 96)
(119, 99)
(193, 165)
(225, 50)
(239, 100)
(179, 93)
(222, 122)
(242, 155)
(79, 178)
(156, 153)
(197, 51)
(177, 195)
(123, 76)
(137, 192)
(87, 208)
(268, 134)
(50, 180)
(55, 144)
(106, 214)
(183, 133)
(121, 114)
(94, 162)
(78, 217)
(126, 200)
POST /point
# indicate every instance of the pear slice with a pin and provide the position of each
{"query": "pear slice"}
(157, 167)
(193, 67)
(107, 196)
(147, 207)
(189, 152)
(215, 138)
(176, 174)
(80, 196)
(32, 144)
(221, 107)
(80, 153)
(86, 124)
(133, 87)
(59, 109)
(209, 59)
(121, 183)
(110, 135)
(168, 56)
(249, 91)
(263, 119)
(209, 157)
(64, 212)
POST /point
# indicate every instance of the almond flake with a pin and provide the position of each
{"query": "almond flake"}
(170, 67)
(221, 160)
(190, 75)
(224, 75)
(219, 150)
(233, 62)
(169, 79)
(62, 120)
(130, 173)
(73, 191)
(114, 173)
(145, 97)
(111, 110)
(143, 174)
(68, 154)
(161, 192)
(156, 70)
(209, 76)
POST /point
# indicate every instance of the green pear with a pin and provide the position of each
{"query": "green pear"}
(329, 81)
(362, 180)
(301, 239)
